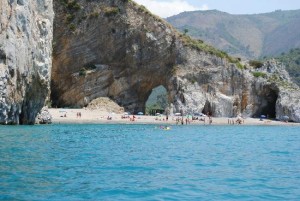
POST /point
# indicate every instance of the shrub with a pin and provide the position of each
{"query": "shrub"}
(82, 72)
(111, 11)
(48, 103)
(256, 64)
(240, 66)
(64, 2)
(73, 5)
(70, 18)
(259, 74)
(94, 14)
(185, 31)
(72, 27)
(85, 68)
(175, 70)
(143, 9)
(193, 80)
(90, 66)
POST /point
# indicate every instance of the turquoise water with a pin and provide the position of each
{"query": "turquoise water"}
(141, 162)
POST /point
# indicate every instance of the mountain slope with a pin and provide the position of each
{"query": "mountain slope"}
(249, 36)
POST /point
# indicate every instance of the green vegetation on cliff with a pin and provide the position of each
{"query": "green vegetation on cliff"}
(259, 74)
(200, 45)
(292, 62)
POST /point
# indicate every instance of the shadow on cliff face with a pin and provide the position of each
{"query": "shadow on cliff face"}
(267, 102)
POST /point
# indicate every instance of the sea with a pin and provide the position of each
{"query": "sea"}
(146, 162)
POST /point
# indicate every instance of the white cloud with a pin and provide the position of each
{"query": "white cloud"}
(169, 8)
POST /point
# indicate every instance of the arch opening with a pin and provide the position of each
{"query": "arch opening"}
(267, 106)
(207, 109)
(157, 101)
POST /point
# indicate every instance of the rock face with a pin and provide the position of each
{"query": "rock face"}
(25, 58)
(117, 49)
(44, 117)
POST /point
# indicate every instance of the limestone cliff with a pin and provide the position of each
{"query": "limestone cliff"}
(117, 49)
(25, 58)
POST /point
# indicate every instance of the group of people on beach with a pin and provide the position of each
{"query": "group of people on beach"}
(186, 121)
(78, 114)
(239, 120)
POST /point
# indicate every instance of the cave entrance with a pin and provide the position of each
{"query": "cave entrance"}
(157, 101)
(207, 108)
(267, 105)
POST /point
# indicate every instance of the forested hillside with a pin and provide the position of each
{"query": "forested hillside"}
(292, 62)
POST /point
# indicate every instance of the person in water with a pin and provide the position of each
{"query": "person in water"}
(165, 127)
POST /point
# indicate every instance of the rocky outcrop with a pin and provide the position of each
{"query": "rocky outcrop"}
(25, 58)
(105, 104)
(118, 49)
(110, 49)
(44, 117)
(288, 105)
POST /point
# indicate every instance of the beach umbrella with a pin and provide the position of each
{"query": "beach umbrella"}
(140, 113)
(285, 118)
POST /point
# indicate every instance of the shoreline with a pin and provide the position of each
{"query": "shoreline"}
(101, 117)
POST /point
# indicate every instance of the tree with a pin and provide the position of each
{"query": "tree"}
(185, 31)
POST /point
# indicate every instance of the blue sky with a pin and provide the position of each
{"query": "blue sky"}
(166, 8)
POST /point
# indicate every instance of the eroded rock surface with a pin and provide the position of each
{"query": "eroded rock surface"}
(25, 58)
(117, 49)
(44, 116)
(105, 104)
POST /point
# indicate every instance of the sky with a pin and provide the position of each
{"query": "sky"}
(166, 8)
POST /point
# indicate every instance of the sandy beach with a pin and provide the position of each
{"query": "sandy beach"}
(70, 116)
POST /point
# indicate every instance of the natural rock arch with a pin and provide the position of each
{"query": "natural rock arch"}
(117, 49)
(125, 64)
(124, 54)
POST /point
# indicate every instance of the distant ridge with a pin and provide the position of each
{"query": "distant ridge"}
(248, 35)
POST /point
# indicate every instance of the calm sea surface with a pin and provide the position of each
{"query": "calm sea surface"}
(142, 162)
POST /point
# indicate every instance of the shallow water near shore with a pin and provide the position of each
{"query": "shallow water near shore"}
(143, 162)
